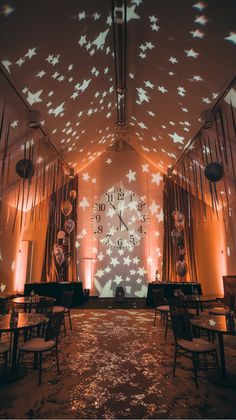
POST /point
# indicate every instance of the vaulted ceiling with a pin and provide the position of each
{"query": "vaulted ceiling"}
(59, 56)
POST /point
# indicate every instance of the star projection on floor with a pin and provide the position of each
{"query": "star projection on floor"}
(181, 59)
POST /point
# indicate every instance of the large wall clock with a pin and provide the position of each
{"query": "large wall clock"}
(120, 218)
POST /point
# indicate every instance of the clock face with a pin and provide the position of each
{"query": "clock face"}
(120, 218)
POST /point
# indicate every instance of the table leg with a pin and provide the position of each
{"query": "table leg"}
(14, 350)
(222, 356)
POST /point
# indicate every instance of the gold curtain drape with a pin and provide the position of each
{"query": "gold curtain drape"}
(55, 224)
(174, 198)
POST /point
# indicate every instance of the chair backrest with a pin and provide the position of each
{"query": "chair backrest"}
(45, 307)
(54, 326)
(230, 301)
(158, 297)
(181, 325)
(66, 298)
(177, 305)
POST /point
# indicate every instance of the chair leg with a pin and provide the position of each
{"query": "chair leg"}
(18, 358)
(70, 319)
(5, 368)
(40, 368)
(57, 359)
(195, 369)
(35, 361)
(175, 357)
(154, 322)
(166, 327)
(64, 325)
(218, 366)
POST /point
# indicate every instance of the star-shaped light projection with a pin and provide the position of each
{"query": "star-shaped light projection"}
(7, 10)
(85, 177)
(191, 53)
(202, 20)
(176, 138)
(33, 98)
(156, 178)
(197, 33)
(153, 207)
(30, 53)
(142, 94)
(131, 175)
(131, 14)
(231, 37)
(173, 60)
(84, 203)
(2, 287)
(212, 322)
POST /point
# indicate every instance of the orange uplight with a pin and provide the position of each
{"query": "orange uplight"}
(88, 269)
(221, 262)
(21, 266)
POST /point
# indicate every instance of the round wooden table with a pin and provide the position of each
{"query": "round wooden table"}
(198, 300)
(219, 325)
(30, 302)
(22, 322)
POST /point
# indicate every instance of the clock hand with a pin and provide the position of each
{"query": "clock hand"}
(119, 215)
(121, 220)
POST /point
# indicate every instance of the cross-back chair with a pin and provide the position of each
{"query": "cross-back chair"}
(161, 305)
(46, 345)
(64, 308)
(229, 305)
(192, 348)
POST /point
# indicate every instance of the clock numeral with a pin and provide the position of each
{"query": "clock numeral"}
(98, 218)
(121, 195)
(141, 206)
(110, 197)
(107, 239)
(131, 197)
(101, 207)
(100, 229)
(140, 229)
(143, 218)
(132, 240)
(119, 243)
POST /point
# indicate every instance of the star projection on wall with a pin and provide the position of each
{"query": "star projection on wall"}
(120, 220)
(182, 57)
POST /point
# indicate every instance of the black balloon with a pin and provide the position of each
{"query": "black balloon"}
(25, 168)
(214, 171)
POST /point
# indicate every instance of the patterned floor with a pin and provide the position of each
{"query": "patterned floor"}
(115, 364)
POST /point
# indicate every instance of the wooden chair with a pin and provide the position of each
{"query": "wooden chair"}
(192, 348)
(176, 305)
(40, 346)
(161, 305)
(66, 302)
(229, 305)
(4, 351)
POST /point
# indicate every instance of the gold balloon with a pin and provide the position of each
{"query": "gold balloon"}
(66, 208)
(73, 194)
(69, 225)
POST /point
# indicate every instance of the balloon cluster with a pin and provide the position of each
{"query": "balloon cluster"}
(177, 236)
(60, 249)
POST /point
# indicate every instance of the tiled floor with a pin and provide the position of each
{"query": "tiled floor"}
(115, 364)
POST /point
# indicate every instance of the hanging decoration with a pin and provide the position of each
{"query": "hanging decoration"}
(214, 171)
(69, 225)
(73, 194)
(66, 208)
(177, 236)
(61, 235)
(59, 254)
(25, 168)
